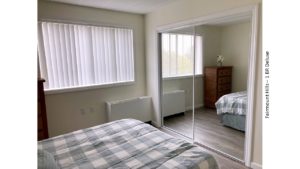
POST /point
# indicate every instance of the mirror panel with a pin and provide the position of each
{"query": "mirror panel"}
(222, 129)
(177, 58)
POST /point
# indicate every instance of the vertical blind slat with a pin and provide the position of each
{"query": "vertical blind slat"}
(57, 56)
(96, 67)
(113, 53)
(125, 40)
(110, 52)
(103, 58)
(132, 68)
(77, 54)
(81, 55)
(53, 55)
(99, 55)
(44, 69)
(64, 64)
(128, 54)
(130, 59)
(68, 59)
(117, 54)
(47, 46)
(73, 55)
(106, 53)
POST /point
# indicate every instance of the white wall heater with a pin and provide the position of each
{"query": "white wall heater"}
(173, 102)
(137, 108)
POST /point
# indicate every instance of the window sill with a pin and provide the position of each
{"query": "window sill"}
(181, 77)
(84, 88)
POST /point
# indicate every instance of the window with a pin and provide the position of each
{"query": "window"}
(178, 55)
(79, 55)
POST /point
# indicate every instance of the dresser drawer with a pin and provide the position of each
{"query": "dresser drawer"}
(224, 72)
(224, 87)
(224, 80)
(222, 93)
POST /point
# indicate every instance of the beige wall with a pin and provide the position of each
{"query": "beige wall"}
(64, 110)
(186, 10)
(211, 43)
(235, 47)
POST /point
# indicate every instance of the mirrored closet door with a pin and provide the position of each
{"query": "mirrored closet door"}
(177, 80)
(204, 69)
(220, 119)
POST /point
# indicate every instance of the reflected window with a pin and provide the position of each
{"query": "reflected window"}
(177, 55)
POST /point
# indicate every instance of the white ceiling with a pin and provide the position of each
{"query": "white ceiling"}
(133, 6)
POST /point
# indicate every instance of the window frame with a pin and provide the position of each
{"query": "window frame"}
(92, 86)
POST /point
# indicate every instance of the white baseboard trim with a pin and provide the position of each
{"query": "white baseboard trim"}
(196, 106)
(255, 165)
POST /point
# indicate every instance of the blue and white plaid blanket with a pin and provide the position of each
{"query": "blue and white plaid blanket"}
(233, 103)
(125, 144)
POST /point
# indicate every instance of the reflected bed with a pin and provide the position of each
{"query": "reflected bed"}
(232, 110)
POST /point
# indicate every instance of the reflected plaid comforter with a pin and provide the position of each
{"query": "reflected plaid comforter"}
(125, 144)
(233, 103)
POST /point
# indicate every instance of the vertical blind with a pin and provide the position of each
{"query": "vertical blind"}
(79, 55)
(178, 55)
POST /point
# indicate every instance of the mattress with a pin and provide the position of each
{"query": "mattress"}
(125, 144)
(232, 109)
(234, 121)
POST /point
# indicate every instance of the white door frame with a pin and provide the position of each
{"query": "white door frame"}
(252, 13)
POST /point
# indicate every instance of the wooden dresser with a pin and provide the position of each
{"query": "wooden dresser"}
(217, 82)
(42, 115)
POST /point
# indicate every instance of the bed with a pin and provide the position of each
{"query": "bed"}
(232, 110)
(124, 144)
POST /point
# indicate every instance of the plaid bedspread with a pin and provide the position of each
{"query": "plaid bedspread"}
(234, 103)
(125, 144)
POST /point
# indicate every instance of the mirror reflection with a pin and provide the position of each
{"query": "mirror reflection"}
(178, 64)
(204, 79)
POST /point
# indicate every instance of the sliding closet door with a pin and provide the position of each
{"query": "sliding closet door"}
(222, 128)
(177, 80)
